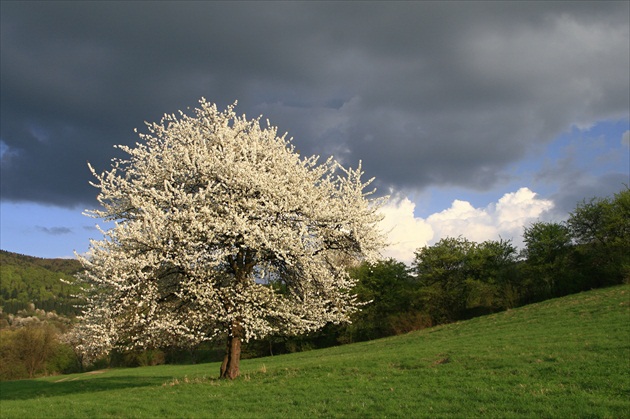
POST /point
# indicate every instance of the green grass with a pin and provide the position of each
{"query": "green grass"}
(567, 357)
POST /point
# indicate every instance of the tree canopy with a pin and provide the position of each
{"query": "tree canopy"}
(223, 229)
(601, 229)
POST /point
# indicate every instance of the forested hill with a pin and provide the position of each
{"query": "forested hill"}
(66, 266)
(26, 279)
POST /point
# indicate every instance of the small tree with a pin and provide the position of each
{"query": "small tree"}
(32, 346)
(222, 229)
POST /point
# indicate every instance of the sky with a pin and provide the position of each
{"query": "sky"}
(476, 118)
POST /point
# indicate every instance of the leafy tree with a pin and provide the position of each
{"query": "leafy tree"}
(11, 366)
(222, 229)
(601, 228)
(459, 278)
(389, 289)
(32, 347)
(441, 272)
(548, 248)
(35, 344)
(492, 276)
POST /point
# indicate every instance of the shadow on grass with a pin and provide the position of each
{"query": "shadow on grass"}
(32, 389)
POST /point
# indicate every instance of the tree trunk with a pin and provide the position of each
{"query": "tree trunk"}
(242, 266)
(230, 368)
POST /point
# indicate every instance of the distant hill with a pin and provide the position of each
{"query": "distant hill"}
(67, 266)
(27, 279)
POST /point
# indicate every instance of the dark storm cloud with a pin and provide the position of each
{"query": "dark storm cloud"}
(424, 93)
(582, 188)
(578, 186)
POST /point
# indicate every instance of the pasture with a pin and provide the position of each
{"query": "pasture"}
(567, 357)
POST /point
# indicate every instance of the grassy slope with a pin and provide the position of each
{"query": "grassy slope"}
(567, 357)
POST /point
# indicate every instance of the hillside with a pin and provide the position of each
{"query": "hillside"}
(27, 279)
(66, 266)
(567, 357)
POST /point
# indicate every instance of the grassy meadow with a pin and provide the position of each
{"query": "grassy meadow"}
(567, 357)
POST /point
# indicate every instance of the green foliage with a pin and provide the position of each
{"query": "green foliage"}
(389, 290)
(142, 358)
(561, 358)
(11, 367)
(589, 251)
(601, 228)
(62, 360)
(441, 271)
(546, 243)
(492, 276)
(27, 279)
(459, 278)
(549, 254)
(34, 349)
(66, 266)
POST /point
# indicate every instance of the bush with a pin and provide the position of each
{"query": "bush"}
(11, 368)
(34, 349)
(139, 358)
(63, 360)
(408, 322)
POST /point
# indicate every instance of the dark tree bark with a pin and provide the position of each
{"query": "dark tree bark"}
(242, 267)
(230, 368)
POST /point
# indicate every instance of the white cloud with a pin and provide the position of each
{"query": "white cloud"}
(503, 219)
(625, 138)
(517, 209)
(405, 232)
(462, 219)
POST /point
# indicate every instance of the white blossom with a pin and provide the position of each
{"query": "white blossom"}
(219, 222)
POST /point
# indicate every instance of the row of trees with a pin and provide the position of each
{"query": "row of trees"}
(457, 279)
(590, 250)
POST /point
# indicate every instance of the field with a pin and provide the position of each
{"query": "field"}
(567, 357)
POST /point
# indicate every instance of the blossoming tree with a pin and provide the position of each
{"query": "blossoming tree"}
(222, 229)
